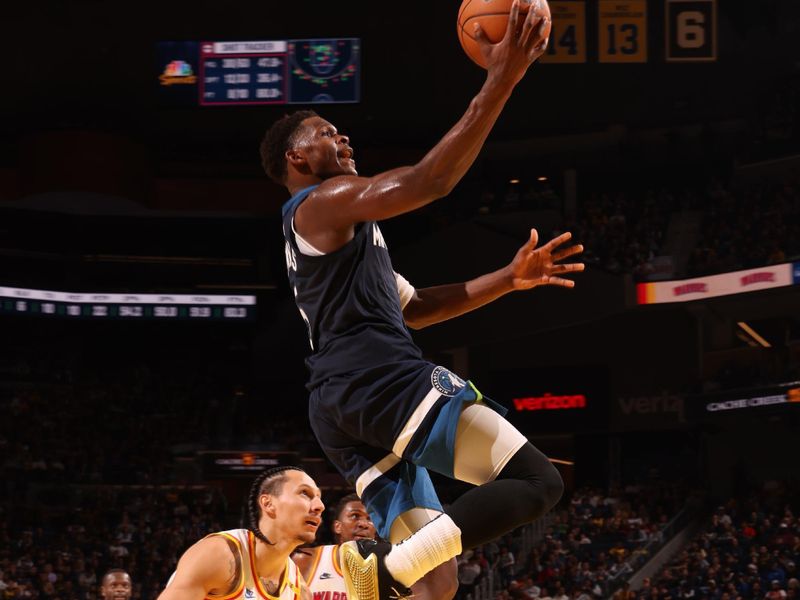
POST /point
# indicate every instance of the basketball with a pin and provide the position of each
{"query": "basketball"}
(493, 18)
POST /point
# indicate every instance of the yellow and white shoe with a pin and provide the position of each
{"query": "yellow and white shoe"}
(365, 575)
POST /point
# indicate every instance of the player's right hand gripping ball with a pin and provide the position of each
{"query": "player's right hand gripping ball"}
(493, 18)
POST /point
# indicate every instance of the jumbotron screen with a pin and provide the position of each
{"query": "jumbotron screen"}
(129, 306)
(313, 71)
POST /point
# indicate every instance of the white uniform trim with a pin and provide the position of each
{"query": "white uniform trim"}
(326, 577)
(404, 289)
(375, 471)
(414, 421)
(484, 444)
(249, 586)
(304, 246)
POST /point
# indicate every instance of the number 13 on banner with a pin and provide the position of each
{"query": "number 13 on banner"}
(622, 31)
(568, 35)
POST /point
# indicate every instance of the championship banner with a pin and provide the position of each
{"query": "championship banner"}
(725, 284)
(568, 34)
(691, 30)
(622, 31)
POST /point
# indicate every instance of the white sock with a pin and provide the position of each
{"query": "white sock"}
(437, 542)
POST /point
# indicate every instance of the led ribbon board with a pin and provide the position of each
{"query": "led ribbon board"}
(48, 303)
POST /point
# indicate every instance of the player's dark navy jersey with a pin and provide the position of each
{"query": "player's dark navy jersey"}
(349, 301)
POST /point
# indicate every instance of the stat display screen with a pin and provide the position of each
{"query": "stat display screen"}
(129, 306)
(312, 71)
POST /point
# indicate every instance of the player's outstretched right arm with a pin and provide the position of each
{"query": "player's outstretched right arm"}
(209, 566)
(342, 201)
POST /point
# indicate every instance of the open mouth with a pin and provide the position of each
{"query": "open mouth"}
(347, 153)
(312, 522)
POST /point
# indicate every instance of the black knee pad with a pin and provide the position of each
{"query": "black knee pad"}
(545, 483)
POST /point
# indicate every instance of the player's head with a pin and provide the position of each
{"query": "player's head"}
(116, 585)
(284, 504)
(351, 520)
(305, 146)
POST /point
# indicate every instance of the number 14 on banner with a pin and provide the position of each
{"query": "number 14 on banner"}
(690, 31)
(568, 35)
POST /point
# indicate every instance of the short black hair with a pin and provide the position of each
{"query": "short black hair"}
(268, 482)
(277, 140)
(337, 510)
(112, 572)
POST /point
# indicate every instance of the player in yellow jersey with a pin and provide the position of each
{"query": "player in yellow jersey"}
(284, 512)
(320, 565)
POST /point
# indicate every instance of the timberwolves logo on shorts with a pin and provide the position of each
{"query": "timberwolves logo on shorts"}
(446, 382)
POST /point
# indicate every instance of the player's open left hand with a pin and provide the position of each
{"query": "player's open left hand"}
(525, 41)
(534, 266)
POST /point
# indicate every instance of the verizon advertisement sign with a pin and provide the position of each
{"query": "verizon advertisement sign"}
(554, 399)
(737, 282)
(550, 402)
(662, 411)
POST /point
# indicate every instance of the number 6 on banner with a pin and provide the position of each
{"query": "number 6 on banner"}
(691, 30)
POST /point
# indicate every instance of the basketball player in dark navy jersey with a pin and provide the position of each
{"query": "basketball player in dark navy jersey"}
(383, 414)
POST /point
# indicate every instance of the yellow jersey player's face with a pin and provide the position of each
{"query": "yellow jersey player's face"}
(354, 523)
(298, 508)
(327, 153)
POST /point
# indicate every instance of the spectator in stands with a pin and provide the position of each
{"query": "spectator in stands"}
(530, 590)
(505, 565)
(624, 593)
(776, 591)
(116, 585)
(469, 571)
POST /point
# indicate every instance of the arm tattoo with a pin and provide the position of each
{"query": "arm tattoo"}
(234, 567)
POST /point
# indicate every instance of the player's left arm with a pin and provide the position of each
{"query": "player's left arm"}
(531, 267)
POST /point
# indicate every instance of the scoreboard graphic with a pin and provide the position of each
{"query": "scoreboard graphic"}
(314, 71)
(96, 305)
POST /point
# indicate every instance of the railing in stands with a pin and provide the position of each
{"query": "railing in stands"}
(640, 556)
(530, 536)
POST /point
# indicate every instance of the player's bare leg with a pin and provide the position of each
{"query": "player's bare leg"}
(442, 582)
(439, 584)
